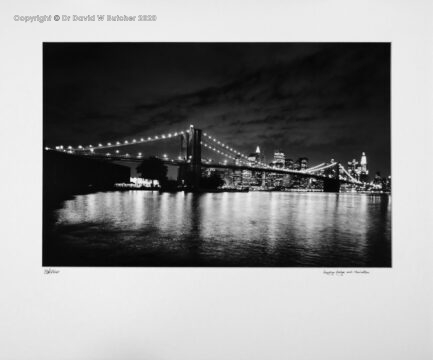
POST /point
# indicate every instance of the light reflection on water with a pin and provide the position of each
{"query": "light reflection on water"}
(144, 228)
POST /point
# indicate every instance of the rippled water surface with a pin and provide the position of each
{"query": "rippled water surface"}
(145, 228)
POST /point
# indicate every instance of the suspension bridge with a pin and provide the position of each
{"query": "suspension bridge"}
(194, 143)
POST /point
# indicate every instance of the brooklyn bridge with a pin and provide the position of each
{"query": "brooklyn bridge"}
(194, 143)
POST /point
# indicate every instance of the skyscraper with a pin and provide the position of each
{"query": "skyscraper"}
(352, 167)
(364, 171)
(289, 163)
(279, 159)
(256, 157)
(253, 158)
(364, 163)
(253, 178)
(302, 163)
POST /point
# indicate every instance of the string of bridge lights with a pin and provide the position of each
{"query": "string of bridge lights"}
(350, 176)
(114, 144)
(318, 168)
(322, 168)
(119, 155)
(209, 146)
(225, 146)
(238, 154)
(315, 168)
(236, 158)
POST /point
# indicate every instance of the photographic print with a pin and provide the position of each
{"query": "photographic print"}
(217, 154)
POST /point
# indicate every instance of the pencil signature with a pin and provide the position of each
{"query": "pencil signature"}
(51, 271)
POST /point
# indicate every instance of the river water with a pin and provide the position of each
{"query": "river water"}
(145, 228)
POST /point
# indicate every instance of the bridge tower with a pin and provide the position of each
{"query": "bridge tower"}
(191, 152)
(333, 184)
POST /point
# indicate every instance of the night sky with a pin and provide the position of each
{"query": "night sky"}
(319, 100)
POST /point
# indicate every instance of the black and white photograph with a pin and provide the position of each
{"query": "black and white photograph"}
(216, 180)
(217, 154)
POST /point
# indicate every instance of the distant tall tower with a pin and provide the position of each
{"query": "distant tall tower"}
(364, 171)
(258, 155)
(364, 163)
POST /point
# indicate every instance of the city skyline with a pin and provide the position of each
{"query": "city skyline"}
(319, 101)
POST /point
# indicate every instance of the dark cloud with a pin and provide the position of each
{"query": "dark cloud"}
(317, 100)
